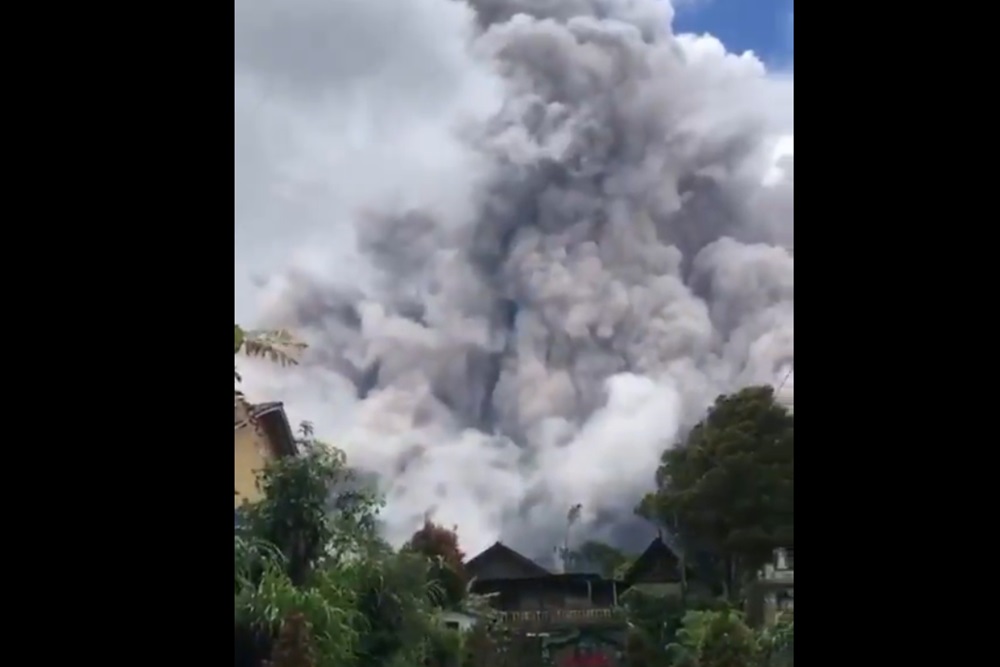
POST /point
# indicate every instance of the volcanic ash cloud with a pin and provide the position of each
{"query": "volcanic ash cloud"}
(540, 273)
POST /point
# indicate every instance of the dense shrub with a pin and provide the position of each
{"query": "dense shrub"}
(714, 639)
(314, 581)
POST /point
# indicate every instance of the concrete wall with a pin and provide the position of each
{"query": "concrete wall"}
(463, 622)
(251, 453)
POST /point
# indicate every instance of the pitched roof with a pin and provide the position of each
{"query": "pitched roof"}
(271, 417)
(261, 408)
(657, 550)
(499, 549)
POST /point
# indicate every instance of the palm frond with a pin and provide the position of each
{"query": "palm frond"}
(279, 346)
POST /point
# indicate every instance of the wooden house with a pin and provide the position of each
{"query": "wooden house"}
(518, 584)
(577, 615)
(658, 570)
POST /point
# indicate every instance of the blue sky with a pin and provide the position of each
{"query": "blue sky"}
(763, 26)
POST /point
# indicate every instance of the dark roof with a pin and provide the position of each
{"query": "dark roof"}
(698, 563)
(260, 409)
(500, 549)
(656, 550)
(271, 417)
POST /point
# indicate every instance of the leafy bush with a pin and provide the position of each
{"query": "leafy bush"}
(654, 622)
(315, 586)
(327, 606)
(714, 639)
(444, 647)
(776, 643)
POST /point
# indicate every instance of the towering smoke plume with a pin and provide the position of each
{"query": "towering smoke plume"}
(529, 240)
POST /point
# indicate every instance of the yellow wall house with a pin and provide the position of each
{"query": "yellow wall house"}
(257, 443)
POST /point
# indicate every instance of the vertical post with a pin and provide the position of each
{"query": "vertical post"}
(614, 592)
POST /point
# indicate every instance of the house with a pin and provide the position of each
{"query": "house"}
(534, 601)
(657, 571)
(518, 584)
(262, 433)
(774, 590)
(577, 615)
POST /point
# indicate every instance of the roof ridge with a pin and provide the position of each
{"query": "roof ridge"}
(516, 554)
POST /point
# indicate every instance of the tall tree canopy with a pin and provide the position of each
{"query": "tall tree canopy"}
(437, 541)
(728, 488)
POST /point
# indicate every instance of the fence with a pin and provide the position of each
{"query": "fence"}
(564, 617)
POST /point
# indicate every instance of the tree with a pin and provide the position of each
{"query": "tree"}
(728, 488)
(314, 580)
(315, 586)
(603, 557)
(440, 546)
(436, 541)
(656, 625)
(310, 509)
(297, 553)
(397, 600)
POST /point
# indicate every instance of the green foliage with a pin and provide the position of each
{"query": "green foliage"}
(654, 622)
(316, 587)
(670, 631)
(714, 639)
(397, 600)
(776, 643)
(267, 598)
(729, 487)
(477, 645)
(295, 646)
(727, 642)
(279, 346)
(444, 647)
(440, 546)
(311, 571)
(309, 510)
